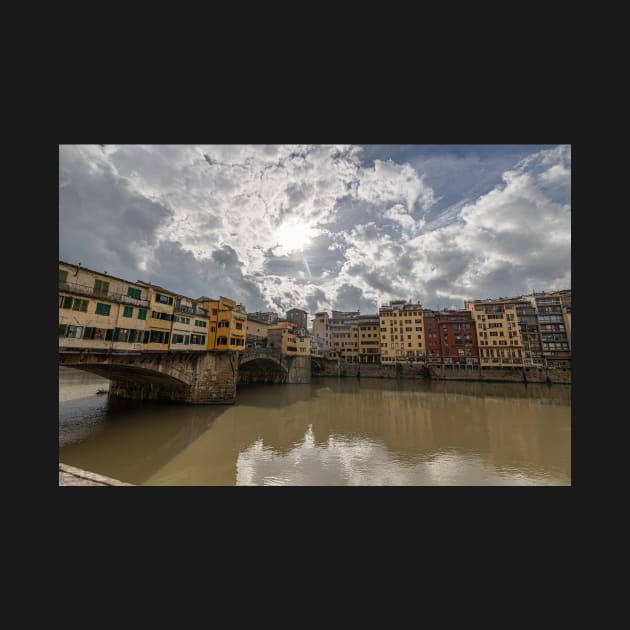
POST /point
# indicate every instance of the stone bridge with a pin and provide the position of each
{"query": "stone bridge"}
(192, 377)
(203, 377)
(266, 365)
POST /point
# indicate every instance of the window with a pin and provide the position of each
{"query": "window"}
(89, 333)
(100, 333)
(102, 309)
(212, 329)
(101, 287)
(201, 323)
(74, 332)
(239, 325)
(142, 313)
(123, 334)
(156, 336)
(178, 339)
(225, 324)
(163, 299)
(62, 330)
(220, 340)
(134, 293)
(63, 275)
(79, 305)
(67, 301)
(128, 312)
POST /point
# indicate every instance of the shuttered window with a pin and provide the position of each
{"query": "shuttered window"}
(101, 287)
(102, 309)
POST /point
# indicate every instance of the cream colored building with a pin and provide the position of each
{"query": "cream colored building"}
(402, 333)
(498, 332)
(257, 331)
(190, 325)
(100, 311)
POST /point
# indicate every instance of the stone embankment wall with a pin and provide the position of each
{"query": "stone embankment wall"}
(507, 375)
(71, 476)
(332, 367)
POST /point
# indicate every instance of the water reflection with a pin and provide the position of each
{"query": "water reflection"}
(331, 432)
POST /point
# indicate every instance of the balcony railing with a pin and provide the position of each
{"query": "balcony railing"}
(82, 289)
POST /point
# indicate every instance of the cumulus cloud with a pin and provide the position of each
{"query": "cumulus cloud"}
(313, 226)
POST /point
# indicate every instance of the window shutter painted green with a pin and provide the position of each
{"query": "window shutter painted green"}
(62, 330)
(187, 339)
(108, 334)
(166, 337)
(116, 334)
(146, 337)
(67, 302)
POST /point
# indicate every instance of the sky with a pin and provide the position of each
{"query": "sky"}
(321, 227)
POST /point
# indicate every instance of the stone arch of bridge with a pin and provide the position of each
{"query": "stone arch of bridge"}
(130, 373)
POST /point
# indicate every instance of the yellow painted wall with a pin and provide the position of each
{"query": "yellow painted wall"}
(407, 316)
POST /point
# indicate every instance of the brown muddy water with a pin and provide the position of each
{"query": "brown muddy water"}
(331, 432)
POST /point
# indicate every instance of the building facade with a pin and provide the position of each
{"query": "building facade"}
(553, 334)
(100, 311)
(287, 338)
(498, 332)
(108, 312)
(257, 331)
(298, 317)
(369, 339)
(451, 338)
(271, 317)
(402, 333)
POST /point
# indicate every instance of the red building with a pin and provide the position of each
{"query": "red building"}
(451, 338)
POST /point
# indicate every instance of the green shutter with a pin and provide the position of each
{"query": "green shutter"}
(67, 302)
(116, 334)
(166, 337)
(108, 334)
(134, 293)
(128, 311)
(146, 337)
(87, 331)
(142, 313)
(187, 339)
(62, 330)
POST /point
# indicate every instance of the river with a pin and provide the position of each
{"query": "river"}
(331, 432)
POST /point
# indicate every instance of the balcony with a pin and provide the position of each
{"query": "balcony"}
(81, 289)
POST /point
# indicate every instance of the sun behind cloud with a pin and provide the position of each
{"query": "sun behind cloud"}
(293, 236)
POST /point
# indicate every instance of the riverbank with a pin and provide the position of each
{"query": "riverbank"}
(331, 367)
(71, 476)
